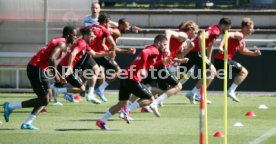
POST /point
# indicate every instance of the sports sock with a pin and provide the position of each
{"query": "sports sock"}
(15, 105)
(133, 106)
(162, 98)
(106, 116)
(30, 119)
(233, 87)
(91, 91)
(103, 86)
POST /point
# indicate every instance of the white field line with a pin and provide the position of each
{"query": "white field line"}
(264, 136)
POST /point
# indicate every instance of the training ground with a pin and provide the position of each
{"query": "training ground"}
(74, 123)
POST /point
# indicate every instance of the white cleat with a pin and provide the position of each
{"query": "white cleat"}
(121, 115)
(154, 109)
(93, 99)
(161, 104)
(198, 100)
(233, 96)
(57, 104)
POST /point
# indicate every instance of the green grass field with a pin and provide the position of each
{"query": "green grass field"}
(75, 123)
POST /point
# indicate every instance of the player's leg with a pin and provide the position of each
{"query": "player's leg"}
(241, 73)
(124, 94)
(112, 70)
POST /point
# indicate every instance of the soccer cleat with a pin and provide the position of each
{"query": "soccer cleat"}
(154, 109)
(190, 95)
(69, 97)
(100, 93)
(93, 99)
(57, 104)
(7, 111)
(146, 109)
(233, 96)
(28, 127)
(102, 125)
(121, 115)
(125, 112)
(198, 99)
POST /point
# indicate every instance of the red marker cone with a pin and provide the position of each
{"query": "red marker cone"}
(250, 114)
(218, 134)
(78, 98)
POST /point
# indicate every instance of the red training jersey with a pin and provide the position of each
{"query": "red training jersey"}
(214, 33)
(101, 33)
(82, 48)
(233, 47)
(41, 58)
(145, 60)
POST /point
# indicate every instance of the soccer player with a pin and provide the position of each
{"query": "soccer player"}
(236, 43)
(36, 71)
(131, 83)
(195, 58)
(79, 58)
(168, 82)
(98, 45)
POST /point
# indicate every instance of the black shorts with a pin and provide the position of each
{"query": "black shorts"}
(128, 87)
(86, 62)
(195, 58)
(39, 81)
(235, 66)
(164, 78)
(72, 79)
(106, 63)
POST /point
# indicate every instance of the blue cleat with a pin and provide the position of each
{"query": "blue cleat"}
(191, 96)
(69, 97)
(100, 93)
(28, 127)
(7, 111)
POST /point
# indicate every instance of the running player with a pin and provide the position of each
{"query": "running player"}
(98, 45)
(130, 84)
(36, 71)
(166, 81)
(195, 58)
(236, 43)
(79, 58)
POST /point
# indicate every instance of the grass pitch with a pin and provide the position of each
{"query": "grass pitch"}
(179, 123)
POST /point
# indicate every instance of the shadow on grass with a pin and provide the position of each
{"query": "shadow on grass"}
(94, 120)
(7, 129)
(64, 130)
(96, 112)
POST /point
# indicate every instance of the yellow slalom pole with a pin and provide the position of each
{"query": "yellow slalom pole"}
(225, 84)
(204, 84)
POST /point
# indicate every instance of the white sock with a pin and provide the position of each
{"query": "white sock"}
(30, 119)
(15, 105)
(233, 87)
(91, 91)
(133, 106)
(106, 116)
(62, 90)
(195, 90)
(162, 98)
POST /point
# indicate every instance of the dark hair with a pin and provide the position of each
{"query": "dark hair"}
(246, 22)
(86, 30)
(225, 21)
(68, 30)
(103, 18)
(122, 21)
(160, 38)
